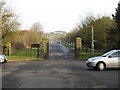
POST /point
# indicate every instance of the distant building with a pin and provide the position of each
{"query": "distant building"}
(58, 32)
(55, 36)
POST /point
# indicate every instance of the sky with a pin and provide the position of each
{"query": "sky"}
(59, 15)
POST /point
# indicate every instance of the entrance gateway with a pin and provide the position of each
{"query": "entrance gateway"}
(45, 48)
(42, 48)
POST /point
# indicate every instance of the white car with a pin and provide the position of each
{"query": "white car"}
(3, 58)
(109, 59)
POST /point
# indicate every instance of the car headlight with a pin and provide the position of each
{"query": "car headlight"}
(93, 59)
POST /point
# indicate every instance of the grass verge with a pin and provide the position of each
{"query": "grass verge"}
(84, 55)
(69, 46)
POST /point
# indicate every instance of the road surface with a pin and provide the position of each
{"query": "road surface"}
(59, 71)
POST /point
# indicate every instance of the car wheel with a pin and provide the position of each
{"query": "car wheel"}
(101, 66)
(3, 60)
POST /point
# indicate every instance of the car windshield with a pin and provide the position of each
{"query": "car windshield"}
(106, 54)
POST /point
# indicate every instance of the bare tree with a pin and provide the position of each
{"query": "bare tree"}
(9, 24)
(28, 37)
(36, 27)
(1, 6)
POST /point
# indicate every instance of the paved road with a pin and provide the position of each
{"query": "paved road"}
(60, 71)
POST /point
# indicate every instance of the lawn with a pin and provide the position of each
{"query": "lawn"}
(24, 53)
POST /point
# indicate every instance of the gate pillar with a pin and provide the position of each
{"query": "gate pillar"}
(78, 47)
(45, 48)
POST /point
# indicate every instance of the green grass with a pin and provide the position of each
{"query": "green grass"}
(24, 54)
(69, 46)
(83, 54)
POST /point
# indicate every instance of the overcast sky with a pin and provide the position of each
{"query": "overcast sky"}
(59, 14)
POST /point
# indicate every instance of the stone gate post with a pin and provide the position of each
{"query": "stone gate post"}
(45, 47)
(78, 47)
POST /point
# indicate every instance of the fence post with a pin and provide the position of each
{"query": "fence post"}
(78, 47)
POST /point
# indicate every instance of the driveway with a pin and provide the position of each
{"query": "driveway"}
(59, 71)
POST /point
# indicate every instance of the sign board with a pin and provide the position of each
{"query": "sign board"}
(35, 45)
